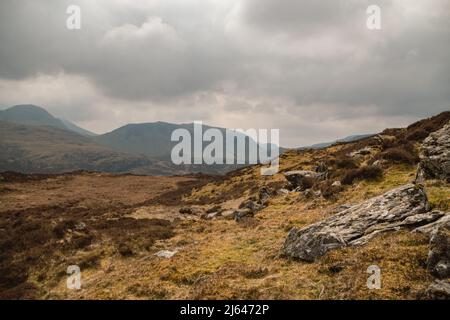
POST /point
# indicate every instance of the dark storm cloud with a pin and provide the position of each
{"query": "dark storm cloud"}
(268, 58)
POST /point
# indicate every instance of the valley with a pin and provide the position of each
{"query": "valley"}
(223, 237)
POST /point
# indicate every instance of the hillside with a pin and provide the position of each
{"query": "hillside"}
(211, 237)
(45, 149)
(134, 148)
(33, 115)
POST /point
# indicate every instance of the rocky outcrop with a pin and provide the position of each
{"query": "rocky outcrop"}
(438, 262)
(303, 179)
(439, 290)
(435, 155)
(429, 228)
(404, 207)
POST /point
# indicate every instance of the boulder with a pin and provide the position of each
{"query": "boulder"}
(438, 262)
(429, 228)
(302, 179)
(399, 208)
(264, 194)
(242, 214)
(439, 290)
(435, 155)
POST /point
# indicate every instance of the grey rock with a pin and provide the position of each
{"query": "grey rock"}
(359, 223)
(301, 179)
(429, 228)
(438, 262)
(80, 226)
(336, 184)
(439, 290)
(264, 194)
(166, 254)
(361, 152)
(435, 155)
(251, 205)
(241, 214)
(212, 215)
(283, 191)
(380, 163)
(228, 214)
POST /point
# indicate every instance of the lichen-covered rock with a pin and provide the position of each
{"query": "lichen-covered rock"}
(403, 207)
(439, 290)
(435, 155)
(438, 262)
(430, 227)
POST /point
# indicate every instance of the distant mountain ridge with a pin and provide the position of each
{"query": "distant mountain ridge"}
(143, 148)
(351, 138)
(28, 114)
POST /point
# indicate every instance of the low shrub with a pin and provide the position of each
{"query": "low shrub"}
(417, 135)
(346, 163)
(400, 155)
(363, 173)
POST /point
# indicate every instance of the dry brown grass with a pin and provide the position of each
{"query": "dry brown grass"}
(221, 259)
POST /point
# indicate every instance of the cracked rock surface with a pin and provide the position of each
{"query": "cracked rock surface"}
(435, 155)
(404, 207)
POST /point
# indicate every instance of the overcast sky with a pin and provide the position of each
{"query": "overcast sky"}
(310, 68)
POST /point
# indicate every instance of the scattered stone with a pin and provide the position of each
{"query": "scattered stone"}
(264, 194)
(435, 155)
(380, 163)
(249, 204)
(439, 290)
(361, 152)
(359, 223)
(80, 226)
(283, 191)
(302, 179)
(228, 214)
(166, 254)
(336, 184)
(241, 214)
(429, 228)
(212, 215)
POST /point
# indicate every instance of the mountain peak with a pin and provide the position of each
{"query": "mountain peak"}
(30, 114)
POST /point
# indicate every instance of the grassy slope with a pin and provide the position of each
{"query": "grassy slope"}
(223, 259)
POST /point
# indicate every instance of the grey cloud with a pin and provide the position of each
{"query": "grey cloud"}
(279, 58)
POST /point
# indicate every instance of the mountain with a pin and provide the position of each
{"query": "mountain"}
(73, 127)
(33, 140)
(154, 139)
(29, 114)
(151, 139)
(47, 149)
(351, 138)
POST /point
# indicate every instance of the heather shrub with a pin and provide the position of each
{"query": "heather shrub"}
(363, 173)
